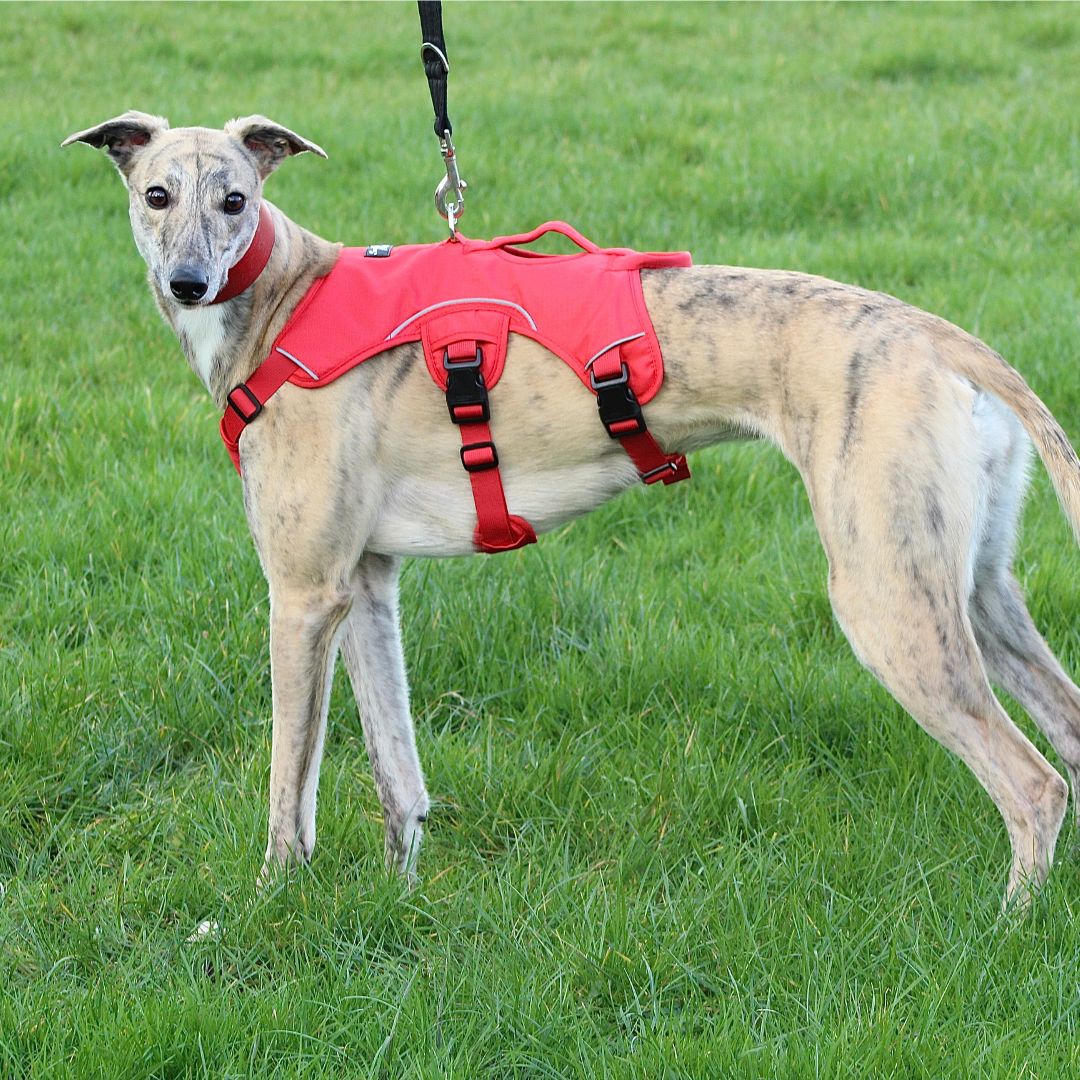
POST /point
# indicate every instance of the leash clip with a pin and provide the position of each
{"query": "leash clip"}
(450, 194)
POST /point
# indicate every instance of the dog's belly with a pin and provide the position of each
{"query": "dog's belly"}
(436, 515)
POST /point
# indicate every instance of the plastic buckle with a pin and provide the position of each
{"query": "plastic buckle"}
(615, 380)
(619, 410)
(490, 459)
(255, 403)
(466, 394)
(452, 365)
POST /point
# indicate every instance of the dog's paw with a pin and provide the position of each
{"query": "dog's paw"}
(403, 847)
(272, 874)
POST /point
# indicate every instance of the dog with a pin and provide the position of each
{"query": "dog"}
(911, 437)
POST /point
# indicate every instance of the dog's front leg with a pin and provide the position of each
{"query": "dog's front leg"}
(372, 652)
(304, 631)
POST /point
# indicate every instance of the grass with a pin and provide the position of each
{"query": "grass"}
(678, 831)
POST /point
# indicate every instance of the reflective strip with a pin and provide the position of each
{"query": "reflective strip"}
(608, 348)
(298, 363)
(464, 300)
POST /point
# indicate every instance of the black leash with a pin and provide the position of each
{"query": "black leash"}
(450, 194)
(436, 64)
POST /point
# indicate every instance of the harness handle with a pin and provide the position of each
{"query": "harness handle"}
(549, 226)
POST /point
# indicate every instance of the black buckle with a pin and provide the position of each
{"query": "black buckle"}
(480, 466)
(255, 402)
(465, 390)
(617, 404)
(451, 365)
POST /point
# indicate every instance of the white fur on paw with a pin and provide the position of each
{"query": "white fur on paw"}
(207, 930)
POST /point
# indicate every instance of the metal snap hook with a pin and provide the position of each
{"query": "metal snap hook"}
(450, 194)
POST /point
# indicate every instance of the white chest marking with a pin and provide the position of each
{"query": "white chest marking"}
(204, 331)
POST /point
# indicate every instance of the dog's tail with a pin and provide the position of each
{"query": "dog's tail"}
(985, 368)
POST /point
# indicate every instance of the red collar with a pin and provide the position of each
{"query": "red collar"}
(252, 262)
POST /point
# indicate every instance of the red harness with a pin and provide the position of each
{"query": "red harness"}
(461, 299)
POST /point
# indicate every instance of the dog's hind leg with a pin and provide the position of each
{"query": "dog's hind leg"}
(1014, 650)
(304, 626)
(373, 655)
(898, 520)
(1022, 663)
(920, 645)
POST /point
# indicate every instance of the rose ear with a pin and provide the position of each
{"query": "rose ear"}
(123, 137)
(269, 143)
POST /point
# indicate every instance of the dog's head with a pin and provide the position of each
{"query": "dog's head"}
(193, 193)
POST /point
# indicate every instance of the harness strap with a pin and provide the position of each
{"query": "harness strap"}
(246, 401)
(621, 416)
(467, 402)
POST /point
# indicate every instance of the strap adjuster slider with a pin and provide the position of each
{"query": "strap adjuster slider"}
(479, 457)
(255, 404)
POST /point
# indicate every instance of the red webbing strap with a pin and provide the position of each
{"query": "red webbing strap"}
(627, 424)
(651, 461)
(496, 528)
(246, 401)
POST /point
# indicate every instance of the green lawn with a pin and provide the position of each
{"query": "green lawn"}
(678, 832)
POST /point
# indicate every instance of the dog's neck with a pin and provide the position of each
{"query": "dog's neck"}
(226, 342)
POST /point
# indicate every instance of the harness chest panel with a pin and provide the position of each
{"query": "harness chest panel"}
(462, 298)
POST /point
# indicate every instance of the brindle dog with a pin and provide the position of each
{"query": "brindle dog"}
(909, 435)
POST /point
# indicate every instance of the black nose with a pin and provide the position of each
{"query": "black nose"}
(188, 283)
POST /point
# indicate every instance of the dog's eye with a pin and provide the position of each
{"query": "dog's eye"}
(157, 197)
(234, 202)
